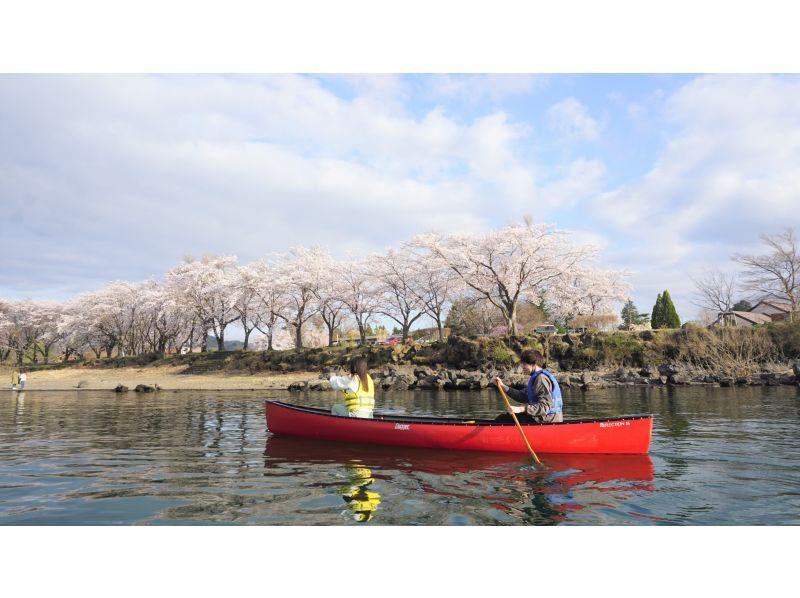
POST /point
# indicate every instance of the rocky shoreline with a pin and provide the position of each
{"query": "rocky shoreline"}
(398, 377)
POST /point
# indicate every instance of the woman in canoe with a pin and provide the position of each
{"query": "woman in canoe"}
(358, 389)
(542, 398)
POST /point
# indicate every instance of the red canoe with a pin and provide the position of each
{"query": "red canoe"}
(622, 435)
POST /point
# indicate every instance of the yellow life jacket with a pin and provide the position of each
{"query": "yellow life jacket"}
(360, 399)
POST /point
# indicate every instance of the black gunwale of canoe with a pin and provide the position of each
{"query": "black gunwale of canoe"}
(455, 421)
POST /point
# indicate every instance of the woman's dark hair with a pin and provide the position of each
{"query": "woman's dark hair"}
(532, 357)
(359, 366)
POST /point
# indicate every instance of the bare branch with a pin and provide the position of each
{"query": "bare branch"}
(776, 274)
(715, 291)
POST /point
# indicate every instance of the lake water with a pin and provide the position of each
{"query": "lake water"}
(718, 457)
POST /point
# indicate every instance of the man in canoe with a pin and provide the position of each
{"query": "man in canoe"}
(542, 398)
(358, 389)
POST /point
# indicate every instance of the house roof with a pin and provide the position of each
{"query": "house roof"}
(751, 317)
(779, 305)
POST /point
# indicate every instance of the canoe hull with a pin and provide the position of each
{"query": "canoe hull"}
(626, 435)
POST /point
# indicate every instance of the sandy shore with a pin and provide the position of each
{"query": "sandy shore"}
(166, 377)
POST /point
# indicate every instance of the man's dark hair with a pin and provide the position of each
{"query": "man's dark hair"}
(532, 357)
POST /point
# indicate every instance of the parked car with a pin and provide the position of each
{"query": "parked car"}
(391, 340)
(546, 329)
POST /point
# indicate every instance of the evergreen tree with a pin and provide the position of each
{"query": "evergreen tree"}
(670, 315)
(742, 305)
(657, 317)
(630, 315)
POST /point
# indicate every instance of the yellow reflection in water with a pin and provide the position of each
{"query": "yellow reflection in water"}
(357, 494)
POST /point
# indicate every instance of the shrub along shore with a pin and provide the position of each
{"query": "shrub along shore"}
(767, 355)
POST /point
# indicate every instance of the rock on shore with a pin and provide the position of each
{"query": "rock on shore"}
(400, 377)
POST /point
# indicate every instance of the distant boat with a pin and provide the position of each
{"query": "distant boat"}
(622, 435)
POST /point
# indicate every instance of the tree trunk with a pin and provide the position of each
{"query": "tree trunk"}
(246, 339)
(298, 336)
(511, 320)
(221, 340)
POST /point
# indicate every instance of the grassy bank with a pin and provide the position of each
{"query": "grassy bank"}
(720, 350)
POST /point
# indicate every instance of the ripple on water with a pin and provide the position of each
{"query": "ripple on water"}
(717, 458)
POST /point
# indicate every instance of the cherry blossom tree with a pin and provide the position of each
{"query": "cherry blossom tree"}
(209, 286)
(586, 291)
(360, 293)
(272, 303)
(13, 324)
(46, 317)
(248, 302)
(332, 309)
(436, 285)
(299, 275)
(79, 330)
(315, 334)
(113, 311)
(400, 288)
(164, 323)
(280, 340)
(519, 261)
(76, 329)
(30, 329)
(7, 330)
(28, 319)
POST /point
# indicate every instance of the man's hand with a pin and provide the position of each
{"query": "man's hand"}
(499, 382)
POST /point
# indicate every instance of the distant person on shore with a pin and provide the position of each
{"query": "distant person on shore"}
(542, 398)
(14, 379)
(22, 378)
(358, 389)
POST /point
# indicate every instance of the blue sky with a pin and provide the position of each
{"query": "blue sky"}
(107, 177)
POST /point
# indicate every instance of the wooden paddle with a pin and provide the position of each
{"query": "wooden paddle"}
(516, 421)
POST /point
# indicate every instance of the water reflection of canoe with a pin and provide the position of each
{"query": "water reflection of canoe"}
(624, 435)
(577, 468)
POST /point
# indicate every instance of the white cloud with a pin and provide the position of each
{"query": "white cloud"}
(126, 174)
(571, 118)
(730, 172)
(479, 88)
(731, 169)
(580, 180)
